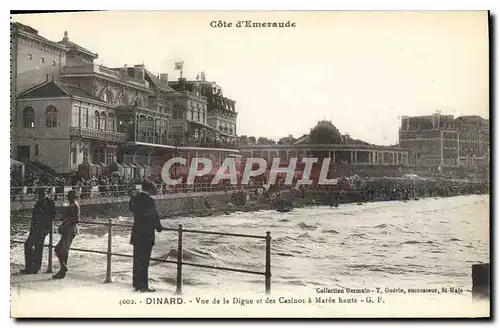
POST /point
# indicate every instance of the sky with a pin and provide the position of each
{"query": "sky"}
(360, 70)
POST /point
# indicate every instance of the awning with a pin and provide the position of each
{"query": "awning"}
(87, 164)
(117, 165)
(16, 163)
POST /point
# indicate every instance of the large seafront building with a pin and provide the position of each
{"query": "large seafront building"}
(347, 156)
(71, 114)
(446, 143)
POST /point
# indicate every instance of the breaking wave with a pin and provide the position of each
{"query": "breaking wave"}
(374, 248)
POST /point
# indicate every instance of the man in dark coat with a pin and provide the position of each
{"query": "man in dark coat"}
(41, 224)
(146, 221)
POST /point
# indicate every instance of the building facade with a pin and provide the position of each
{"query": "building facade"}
(71, 114)
(445, 142)
(347, 156)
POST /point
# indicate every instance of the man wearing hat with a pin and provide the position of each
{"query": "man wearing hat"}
(146, 221)
(41, 224)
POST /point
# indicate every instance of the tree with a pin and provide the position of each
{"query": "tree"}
(243, 140)
(265, 141)
(286, 140)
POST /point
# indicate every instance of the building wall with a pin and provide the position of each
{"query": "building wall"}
(123, 95)
(464, 141)
(31, 71)
(83, 115)
(53, 143)
(195, 107)
(219, 120)
(423, 152)
(27, 70)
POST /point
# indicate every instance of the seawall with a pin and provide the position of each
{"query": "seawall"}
(167, 205)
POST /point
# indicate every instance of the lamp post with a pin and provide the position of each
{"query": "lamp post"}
(176, 150)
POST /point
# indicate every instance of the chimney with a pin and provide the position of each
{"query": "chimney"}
(139, 72)
(182, 83)
(164, 78)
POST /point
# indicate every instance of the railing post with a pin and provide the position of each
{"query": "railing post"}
(179, 261)
(108, 264)
(268, 262)
(51, 242)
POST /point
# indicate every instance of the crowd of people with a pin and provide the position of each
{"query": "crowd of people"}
(366, 189)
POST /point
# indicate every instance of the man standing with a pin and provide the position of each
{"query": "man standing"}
(68, 230)
(41, 224)
(146, 221)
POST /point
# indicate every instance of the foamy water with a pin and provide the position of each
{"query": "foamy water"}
(417, 244)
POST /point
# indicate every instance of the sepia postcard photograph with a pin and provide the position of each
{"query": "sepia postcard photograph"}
(250, 164)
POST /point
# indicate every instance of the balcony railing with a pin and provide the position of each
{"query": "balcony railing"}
(89, 68)
(209, 144)
(156, 139)
(94, 68)
(98, 134)
(192, 94)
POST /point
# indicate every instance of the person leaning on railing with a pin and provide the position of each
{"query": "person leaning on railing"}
(146, 221)
(68, 230)
(41, 224)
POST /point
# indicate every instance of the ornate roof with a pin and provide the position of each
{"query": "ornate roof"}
(326, 133)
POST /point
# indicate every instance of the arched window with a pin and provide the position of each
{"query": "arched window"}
(108, 96)
(137, 102)
(51, 115)
(102, 126)
(111, 122)
(122, 101)
(28, 117)
(96, 120)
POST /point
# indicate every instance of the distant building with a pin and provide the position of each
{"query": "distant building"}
(442, 141)
(71, 114)
(347, 155)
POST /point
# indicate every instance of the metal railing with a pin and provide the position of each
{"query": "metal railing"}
(115, 191)
(179, 262)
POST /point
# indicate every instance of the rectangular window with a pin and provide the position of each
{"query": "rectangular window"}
(85, 155)
(75, 116)
(101, 155)
(37, 150)
(74, 153)
(90, 118)
(110, 157)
